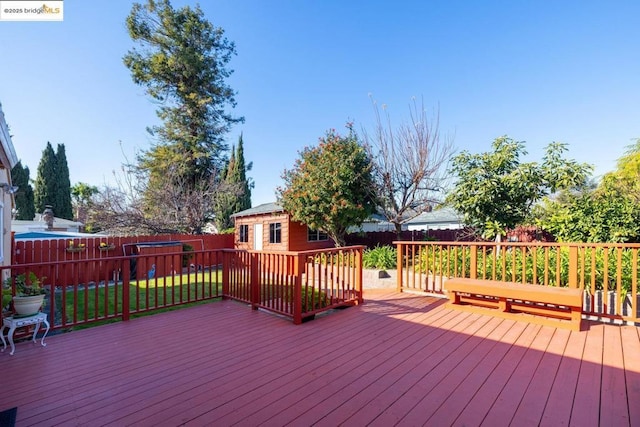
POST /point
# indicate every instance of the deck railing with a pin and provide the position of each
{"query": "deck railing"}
(608, 273)
(294, 284)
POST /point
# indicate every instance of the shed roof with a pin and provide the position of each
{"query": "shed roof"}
(437, 216)
(265, 208)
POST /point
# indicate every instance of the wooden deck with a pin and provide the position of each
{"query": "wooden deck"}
(397, 359)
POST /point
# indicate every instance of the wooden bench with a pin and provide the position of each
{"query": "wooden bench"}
(545, 305)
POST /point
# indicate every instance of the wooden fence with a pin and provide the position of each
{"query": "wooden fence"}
(100, 249)
(607, 273)
(294, 284)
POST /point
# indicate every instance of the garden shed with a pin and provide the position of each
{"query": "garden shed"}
(269, 227)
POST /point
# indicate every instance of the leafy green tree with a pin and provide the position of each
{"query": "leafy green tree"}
(25, 208)
(608, 213)
(495, 191)
(330, 187)
(182, 62)
(62, 204)
(82, 194)
(237, 196)
(46, 184)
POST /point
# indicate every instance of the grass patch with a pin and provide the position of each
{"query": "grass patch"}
(104, 304)
(176, 280)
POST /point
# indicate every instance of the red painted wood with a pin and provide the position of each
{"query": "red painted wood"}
(477, 408)
(222, 363)
(630, 351)
(587, 403)
(532, 405)
(560, 400)
(614, 409)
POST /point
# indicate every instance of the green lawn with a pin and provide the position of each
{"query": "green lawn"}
(159, 294)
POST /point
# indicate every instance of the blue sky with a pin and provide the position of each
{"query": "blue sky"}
(538, 71)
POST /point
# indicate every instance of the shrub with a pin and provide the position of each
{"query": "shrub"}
(380, 258)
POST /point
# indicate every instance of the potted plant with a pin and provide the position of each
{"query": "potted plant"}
(104, 246)
(75, 248)
(29, 293)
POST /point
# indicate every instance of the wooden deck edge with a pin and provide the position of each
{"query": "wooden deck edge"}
(525, 317)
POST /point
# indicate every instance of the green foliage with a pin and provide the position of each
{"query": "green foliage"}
(182, 63)
(26, 284)
(380, 258)
(536, 265)
(237, 194)
(46, 181)
(610, 213)
(52, 185)
(62, 204)
(24, 198)
(313, 299)
(181, 60)
(495, 191)
(330, 187)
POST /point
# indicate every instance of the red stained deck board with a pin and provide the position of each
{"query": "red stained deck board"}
(614, 409)
(560, 400)
(294, 406)
(314, 366)
(382, 407)
(630, 351)
(586, 404)
(534, 400)
(507, 402)
(221, 362)
(308, 389)
(377, 379)
(478, 407)
(436, 387)
(464, 392)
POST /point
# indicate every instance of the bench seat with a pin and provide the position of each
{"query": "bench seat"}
(546, 305)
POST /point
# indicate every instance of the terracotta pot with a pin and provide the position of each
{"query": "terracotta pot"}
(25, 306)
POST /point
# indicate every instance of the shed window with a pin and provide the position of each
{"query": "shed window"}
(275, 232)
(244, 233)
(316, 235)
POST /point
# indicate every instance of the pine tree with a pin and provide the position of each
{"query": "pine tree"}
(236, 194)
(63, 207)
(244, 200)
(46, 181)
(25, 208)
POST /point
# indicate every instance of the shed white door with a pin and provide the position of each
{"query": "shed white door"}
(257, 237)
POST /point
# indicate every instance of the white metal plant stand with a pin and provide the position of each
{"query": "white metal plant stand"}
(16, 322)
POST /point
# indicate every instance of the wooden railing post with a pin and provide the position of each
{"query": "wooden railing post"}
(573, 266)
(226, 267)
(255, 279)
(298, 271)
(473, 262)
(126, 279)
(358, 266)
(399, 251)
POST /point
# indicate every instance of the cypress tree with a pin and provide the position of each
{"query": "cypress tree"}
(46, 181)
(25, 208)
(244, 200)
(63, 207)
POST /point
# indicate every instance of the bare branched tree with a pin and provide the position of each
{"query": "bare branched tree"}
(410, 162)
(133, 206)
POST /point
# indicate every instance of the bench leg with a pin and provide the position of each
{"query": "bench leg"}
(454, 297)
(576, 317)
(503, 305)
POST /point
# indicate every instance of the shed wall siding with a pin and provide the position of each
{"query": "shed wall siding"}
(293, 235)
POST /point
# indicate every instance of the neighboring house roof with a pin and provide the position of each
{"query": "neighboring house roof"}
(437, 216)
(20, 226)
(9, 153)
(265, 208)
